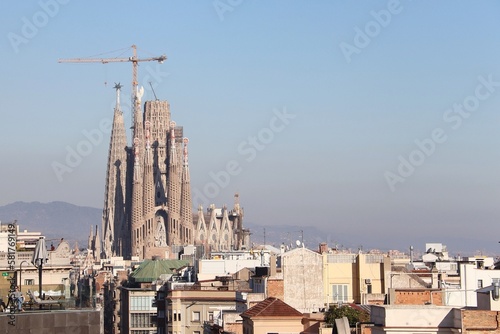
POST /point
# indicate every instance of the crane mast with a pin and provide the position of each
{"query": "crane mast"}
(134, 60)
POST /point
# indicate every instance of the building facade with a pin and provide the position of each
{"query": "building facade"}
(301, 270)
(355, 278)
(194, 310)
(272, 316)
(138, 311)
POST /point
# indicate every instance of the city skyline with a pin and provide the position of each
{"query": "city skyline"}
(370, 120)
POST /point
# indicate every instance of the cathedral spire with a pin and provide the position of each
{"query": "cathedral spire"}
(91, 237)
(113, 215)
(186, 204)
(148, 179)
(148, 187)
(97, 245)
(137, 213)
(201, 231)
(118, 87)
(174, 193)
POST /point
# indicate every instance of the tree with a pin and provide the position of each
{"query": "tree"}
(353, 315)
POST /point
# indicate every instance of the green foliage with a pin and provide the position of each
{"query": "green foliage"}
(352, 315)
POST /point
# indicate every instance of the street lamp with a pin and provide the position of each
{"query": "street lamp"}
(20, 272)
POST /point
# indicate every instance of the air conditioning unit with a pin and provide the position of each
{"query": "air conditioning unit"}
(368, 281)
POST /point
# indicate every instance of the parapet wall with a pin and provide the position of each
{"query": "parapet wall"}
(87, 321)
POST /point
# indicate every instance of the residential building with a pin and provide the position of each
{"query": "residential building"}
(25, 240)
(301, 271)
(138, 301)
(355, 278)
(474, 275)
(55, 277)
(432, 319)
(272, 315)
(192, 309)
(231, 262)
(138, 311)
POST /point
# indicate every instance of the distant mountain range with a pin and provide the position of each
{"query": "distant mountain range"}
(55, 220)
(58, 220)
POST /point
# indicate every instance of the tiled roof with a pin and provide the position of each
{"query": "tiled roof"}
(150, 270)
(271, 307)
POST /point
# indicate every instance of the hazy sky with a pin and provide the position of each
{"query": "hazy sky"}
(376, 121)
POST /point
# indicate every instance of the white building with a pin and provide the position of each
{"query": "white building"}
(229, 263)
(24, 239)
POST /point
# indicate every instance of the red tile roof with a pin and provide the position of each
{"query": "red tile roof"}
(271, 307)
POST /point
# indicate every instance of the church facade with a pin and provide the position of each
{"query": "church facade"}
(147, 203)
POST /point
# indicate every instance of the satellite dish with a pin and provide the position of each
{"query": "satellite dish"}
(297, 243)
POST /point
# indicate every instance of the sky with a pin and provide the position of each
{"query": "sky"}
(376, 121)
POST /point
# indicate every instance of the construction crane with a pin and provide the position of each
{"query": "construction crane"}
(134, 60)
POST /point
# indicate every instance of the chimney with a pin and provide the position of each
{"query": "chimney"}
(272, 265)
(435, 277)
(323, 248)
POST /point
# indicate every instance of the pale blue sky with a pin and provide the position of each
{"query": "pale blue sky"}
(226, 76)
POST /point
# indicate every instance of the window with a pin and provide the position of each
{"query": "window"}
(196, 316)
(142, 332)
(479, 283)
(211, 316)
(368, 288)
(142, 303)
(141, 320)
(340, 292)
(29, 282)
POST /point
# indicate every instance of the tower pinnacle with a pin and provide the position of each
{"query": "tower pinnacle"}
(118, 87)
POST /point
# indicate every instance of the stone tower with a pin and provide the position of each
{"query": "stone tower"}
(186, 209)
(148, 206)
(113, 215)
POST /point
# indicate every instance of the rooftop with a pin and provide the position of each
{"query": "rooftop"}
(271, 307)
(150, 270)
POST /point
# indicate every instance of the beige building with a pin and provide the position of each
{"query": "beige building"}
(432, 319)
(138, 314)
(190, 310)
(55, 274)
(272, 315)
(301, 271)
(25, 240)
(355, 278)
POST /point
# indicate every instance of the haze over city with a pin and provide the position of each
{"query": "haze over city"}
(376, 121)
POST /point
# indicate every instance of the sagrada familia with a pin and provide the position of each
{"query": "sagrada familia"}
(147, 203)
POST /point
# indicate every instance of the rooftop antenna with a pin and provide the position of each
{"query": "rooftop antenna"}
(156, 99)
